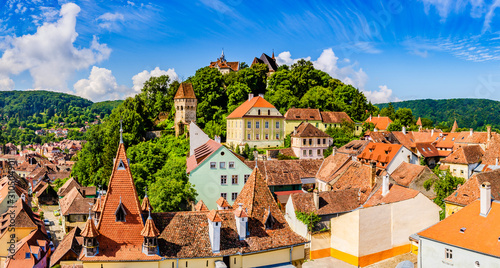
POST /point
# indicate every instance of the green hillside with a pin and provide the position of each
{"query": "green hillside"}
(469, 113)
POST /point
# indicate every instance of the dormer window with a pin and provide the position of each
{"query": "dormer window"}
(121, 165)
(120, 212)
(269, 220)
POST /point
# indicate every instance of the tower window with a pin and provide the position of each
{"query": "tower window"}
(120, 212)
(121, 165)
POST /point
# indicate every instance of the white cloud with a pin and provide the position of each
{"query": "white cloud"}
(49, 54)
(109, 20)
(285, 57)
(144, 76)
(383, 95)
(100, 86)
(6, 83)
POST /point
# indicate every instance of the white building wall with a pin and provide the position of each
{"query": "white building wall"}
(345, 233)
(296, 225)
(432, 254)
(375, 229)
(400, 157)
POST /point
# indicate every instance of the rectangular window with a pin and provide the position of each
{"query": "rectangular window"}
(267, 136)
(310, 141)
(310, 152)
(249, 124)
(28, 255)
(223, 179)
(248, 136)
(277, 136)
(304, 141)
(256, 136)
(257, 124)
(319, 152)
(319, 141)
(266, 124)
(246, 177)
(304, 153)
(448, 254)
(223, 195)
(324, 141)
(222, 165)
(277, 125)
(213, 165)
(234, 196)
(231, 164)
(234, 179)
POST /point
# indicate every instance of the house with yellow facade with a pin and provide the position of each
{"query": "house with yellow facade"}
(321, 120)
(257, 123)
(251, 233)
(463, 160)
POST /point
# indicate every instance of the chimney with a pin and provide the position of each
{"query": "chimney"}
(404, 130)
(488, 128)
(385, 185)
(214, 224)
(374, 174)
(334, 150)
(316, 199)
(370, 118)
(496, 162)
(241, 221)
(295, 131)
(261, 95)
(250, 96)
(485, 198)
(432, 132)
(378, 115)
(471, 131)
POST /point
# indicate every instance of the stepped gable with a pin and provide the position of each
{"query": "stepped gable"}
(185, 91)
(113, 244)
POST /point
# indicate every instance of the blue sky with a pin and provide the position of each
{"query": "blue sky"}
(390, 49)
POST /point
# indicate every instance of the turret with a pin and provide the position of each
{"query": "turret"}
(150, 234)
(89, 234)
(241, 218)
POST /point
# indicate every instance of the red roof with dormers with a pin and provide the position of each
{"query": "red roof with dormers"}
(120, 241)
(255, 102)
(380, 122)
(380, 153)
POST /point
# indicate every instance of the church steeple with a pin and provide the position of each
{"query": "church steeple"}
(222, 57)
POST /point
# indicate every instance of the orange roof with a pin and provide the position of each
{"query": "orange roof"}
(213, 216)
(481, 233)
(222, 202)
(396, 194)
(255, 102)
(380, 153)
(89, 230)
(146, 205)
(150, 229)
(380, 122)
(465, 155)
(200, 206)
(185, 91)
(419, 122)
(233, 65)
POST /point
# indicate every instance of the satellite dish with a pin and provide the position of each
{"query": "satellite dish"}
(405, 264)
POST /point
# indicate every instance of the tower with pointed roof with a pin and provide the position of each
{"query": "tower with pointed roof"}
(150, 234)
(90, 234)
(185, 107)
(454, 128)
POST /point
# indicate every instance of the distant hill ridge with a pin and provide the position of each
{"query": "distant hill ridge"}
(469, 113)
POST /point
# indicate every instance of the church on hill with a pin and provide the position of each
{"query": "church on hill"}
(122, 232)
(225, 66)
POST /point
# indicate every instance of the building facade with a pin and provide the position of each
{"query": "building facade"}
(308, 142)
(185, 103)
(257, 123)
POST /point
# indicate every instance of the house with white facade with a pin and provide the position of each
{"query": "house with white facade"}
(468, 238)
(308, 142)
(387, 156)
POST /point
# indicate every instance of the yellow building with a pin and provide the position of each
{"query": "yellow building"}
(251, 233)
(321, 120)
(463, 160)
(257, 123)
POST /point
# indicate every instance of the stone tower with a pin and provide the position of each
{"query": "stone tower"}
(185, 107)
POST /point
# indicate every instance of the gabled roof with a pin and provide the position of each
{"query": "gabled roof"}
(406, 173)
(185, 91)
(24, 217)
(396, 194)
(380, 153)
(353, 148)
(69, 246)
(255, 102)
(356, 175)
(200, 154)
(330, 202)
(213, 216)
(75, 203)
(331, 166)
(223, 64)
(303, 114)
(470, 191)
(492, 152)
(480, 233)
(406, 140)
(222, 202)
(287, 172)
(269, 61)
(335, 117)
(306, 129)
(475, 138)
(380, 122)
(29, 245)
(200, 206)
(454, 127)
(426, 149)
(465, 155)
(67, 186)
(419, 122)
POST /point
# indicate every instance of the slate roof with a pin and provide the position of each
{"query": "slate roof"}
(465, 155)
(70, 245)
(470, 191)
(335, 117)
(255, 102)
(185, 91)
(287, 172)
(480, 235)
(306, 130)
(353, 148)
(330, 202)
(331, 166)
(303, 114)
(269, 61)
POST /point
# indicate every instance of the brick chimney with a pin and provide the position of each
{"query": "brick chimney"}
(488, 129)
(485, 198)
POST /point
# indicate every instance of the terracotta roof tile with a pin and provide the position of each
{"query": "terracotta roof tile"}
(480, 234)
(380, 153)
(150, 229)
(222, 202)
(200, 206)
(465, 155)
(75, 203)
(69, 247)
(146, 205)
(200, 154)
(303, 114)
(353, 148)
(492, 152)
(470, 191)
(406, 173)
(427, 149)
(213, 216)
(287, 172)
(335, 117)
(380, 122)
(306, 129)
(185, 91)
(255, 102)
(330, 202)
(331, 165)
(396, 194)
(357, 176)
(233, 65)
(67, 186)
(24, 217)
(89, 230)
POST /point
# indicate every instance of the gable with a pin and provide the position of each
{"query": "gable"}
(217, 157)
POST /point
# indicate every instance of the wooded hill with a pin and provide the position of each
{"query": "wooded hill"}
(469, 113)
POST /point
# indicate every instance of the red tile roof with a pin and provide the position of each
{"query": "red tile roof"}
(470, 191)
(287, 172)
(68, 248)
(303, 114)
(465, 155)
(255, 102)
(150, 229)
(380, 153)
(331, 165)
(89, 230)
(353, 148)
(396, 194)
(335, 117)
(492, 152)
(75, 203)
(330, 202)
(427, 149)
(146, 205)
(233, 65)
(67, 186)
(480, 233)
(406, 173)
(200, 206)
(356, 175)
(306, 129)
(380, 122)
(200, 154)
(222, 202)
(185, 91)
(213, 216)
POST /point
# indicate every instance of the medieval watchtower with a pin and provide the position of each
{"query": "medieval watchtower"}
(185, 107)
